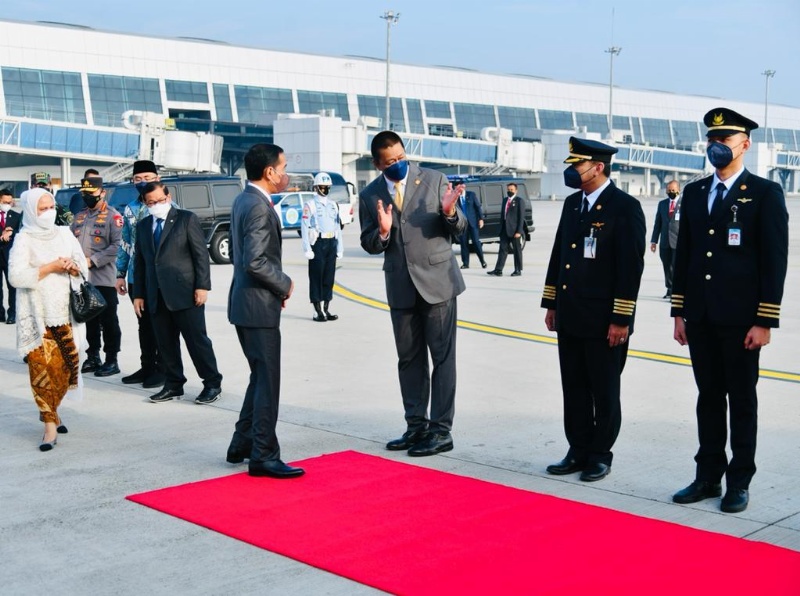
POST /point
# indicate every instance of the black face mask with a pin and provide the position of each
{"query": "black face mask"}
(90, 200)
(672, 194)
(510, 194)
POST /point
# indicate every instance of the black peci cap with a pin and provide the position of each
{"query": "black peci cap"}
(144, 166)
(723, 122)
(588, 150)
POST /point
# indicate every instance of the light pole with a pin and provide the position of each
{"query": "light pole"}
(391, 19)
(612, 51)
(768, 74)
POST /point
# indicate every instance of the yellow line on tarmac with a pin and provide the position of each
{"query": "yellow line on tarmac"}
(546, 339)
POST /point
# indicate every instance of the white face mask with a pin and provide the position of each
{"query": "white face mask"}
(160, 210)
(47, 219)
(5, 207)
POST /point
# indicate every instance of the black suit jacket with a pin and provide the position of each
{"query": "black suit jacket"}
(177, 268)
(13, 221)
(590, 294)
(514, 219)
(259, 284)
(732, 285)
(472, 209)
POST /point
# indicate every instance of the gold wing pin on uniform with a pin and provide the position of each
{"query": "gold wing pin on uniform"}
(598, 225)
(744, 200)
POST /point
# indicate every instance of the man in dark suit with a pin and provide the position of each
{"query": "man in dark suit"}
(665, 228)
(409, 214)
(471, 207)
(590, 295)
(259, 290)
(173, 278)
(730, 268)
(10, 222)
(512, 227)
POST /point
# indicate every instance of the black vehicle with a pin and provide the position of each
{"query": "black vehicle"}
(210, 196)
(491, 190)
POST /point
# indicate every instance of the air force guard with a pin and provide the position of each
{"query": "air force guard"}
(730, 266)
(322, 244)
(590, 295)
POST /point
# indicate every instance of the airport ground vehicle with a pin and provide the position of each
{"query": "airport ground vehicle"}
(340, 191)
(289, 206)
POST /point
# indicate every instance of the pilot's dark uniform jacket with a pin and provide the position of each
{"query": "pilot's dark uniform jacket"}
(592, 282)
(730, 267)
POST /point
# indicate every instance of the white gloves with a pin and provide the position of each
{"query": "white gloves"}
(309, 254)
(339, 255)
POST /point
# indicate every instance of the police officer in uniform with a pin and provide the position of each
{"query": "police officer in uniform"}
(98, 228)
(730, 267)
(321, 231)
(590, 295)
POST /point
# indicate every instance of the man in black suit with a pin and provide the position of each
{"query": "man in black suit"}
(471, 207)
(259, 291)
(590, 295)
(665, 228)
(10, 222)
(512, 227)
(173, 278)
(730, 268)
(409, 215)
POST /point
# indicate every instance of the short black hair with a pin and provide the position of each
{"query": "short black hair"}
(6, 192)
(260, 157)
(155, 185)
(382, 140)
(91, 172)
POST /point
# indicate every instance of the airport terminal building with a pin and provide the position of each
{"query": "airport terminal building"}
(65, 88)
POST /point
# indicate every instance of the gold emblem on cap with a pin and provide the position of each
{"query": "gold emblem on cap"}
(570, 147)
(743, 187)
(718, 119)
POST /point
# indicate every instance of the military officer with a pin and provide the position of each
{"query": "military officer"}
(590, 295)
(98, 228)
(321, 230)
(730, 267)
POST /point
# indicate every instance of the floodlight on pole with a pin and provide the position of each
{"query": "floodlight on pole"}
(612, 51)
(391, 18)
(768, 74)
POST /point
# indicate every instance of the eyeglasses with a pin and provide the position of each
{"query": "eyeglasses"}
(145, 178)
(160, 201)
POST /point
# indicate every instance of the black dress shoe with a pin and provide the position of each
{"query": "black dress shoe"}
(156, 379)
(135, 378)
(166, 395)
(697, 491)
(568, 465)
(91, 364)
(735, 500)
(408, 440)
(495, 272)
(273, 468)
(208, 395)
(11, 320)
(483, 264)
(238, 452)
(465, 266)
(516, 273)
(108, 369)
(435, 443)
(594, 472)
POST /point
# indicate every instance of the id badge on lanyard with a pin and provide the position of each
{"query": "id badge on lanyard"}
(734, 230)
(590, 246)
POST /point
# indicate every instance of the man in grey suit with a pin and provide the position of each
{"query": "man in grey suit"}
(259, 291)
(667, 224)
(409, 214)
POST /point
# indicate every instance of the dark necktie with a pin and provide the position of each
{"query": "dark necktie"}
(716, 207)
(157, 232)
(585, 208)
(2, 220)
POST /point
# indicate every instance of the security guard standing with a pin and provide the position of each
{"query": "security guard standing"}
(98, 228)
(321, 231)
(590, 295)
(730, 267)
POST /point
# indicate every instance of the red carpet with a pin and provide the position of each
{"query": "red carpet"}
(410, 530)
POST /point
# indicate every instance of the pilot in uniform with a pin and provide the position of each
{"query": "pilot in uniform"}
(98, 229)
(730, 267)
(321, 231)
(590, 295)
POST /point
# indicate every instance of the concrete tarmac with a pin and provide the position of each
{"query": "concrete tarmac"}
(65, 526)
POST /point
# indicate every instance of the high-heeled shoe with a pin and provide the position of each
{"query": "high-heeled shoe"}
(48, 446)
(62, 430)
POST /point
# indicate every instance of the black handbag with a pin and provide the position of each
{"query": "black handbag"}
(86, 302)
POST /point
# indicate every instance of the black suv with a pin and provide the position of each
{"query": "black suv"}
(209, 196)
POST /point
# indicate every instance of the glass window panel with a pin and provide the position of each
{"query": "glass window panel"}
(785, 136)
(74, 138)
(437, 109)
(414, 107)
(685, 133)
(472, 118)
(195, 196)
(104, 143)
(222, 100)
(112, 96)
(656, 132)
(89, 144)
(636, 123)
(555, 120)
(224, 194)
(375, 105)
(118, 144)
(58, 141)
(43, 136)
(593, 122)
(261, 105)
(190, 91)
(43, 94)
(522, 122)
(311, 102)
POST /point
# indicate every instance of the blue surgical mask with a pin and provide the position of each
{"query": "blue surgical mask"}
(140, 186)
(572, 178)
(719, 155)
(397, 171)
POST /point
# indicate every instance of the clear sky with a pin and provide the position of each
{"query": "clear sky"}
(713, 47)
